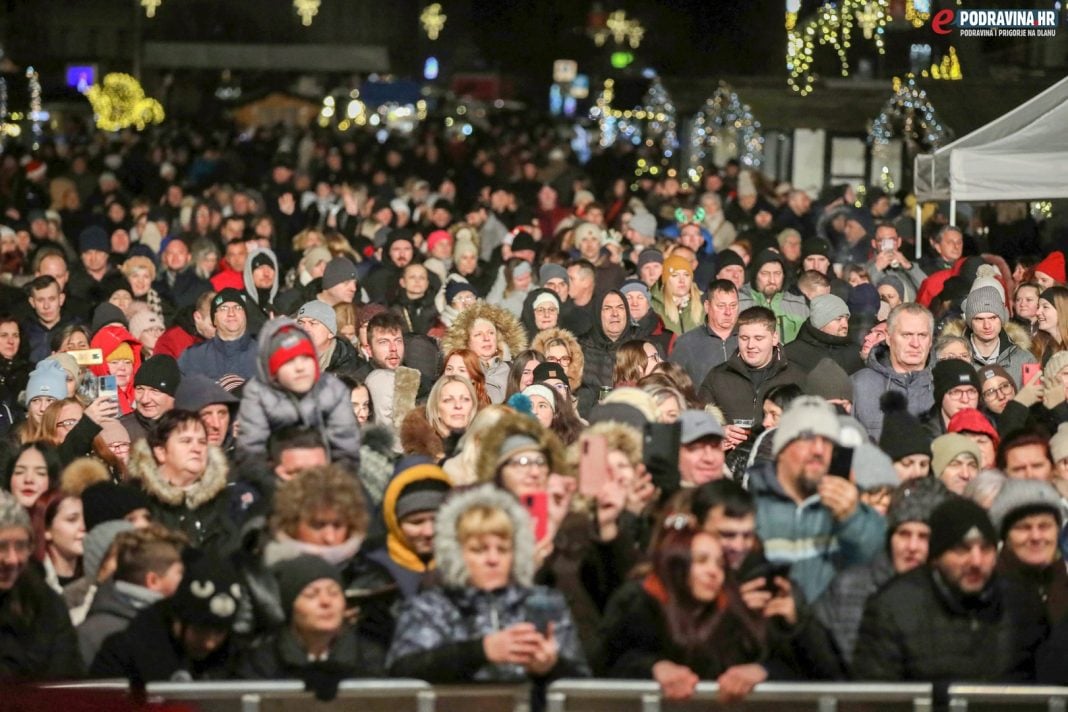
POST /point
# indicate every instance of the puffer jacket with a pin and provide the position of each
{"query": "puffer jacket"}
(440, 631)
(1010, 356)
(808, 537)
(811, 345)
(265, 408)
(917, 628)
(739, 391)
(876, 378)
(216, 358)
(511, 339)
(202, 511)
(841, 606)
(107, 340)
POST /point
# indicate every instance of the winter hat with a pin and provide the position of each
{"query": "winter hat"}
(227, 295)
(315, 255)
(424, 494)
(894, 281)
(828, 380)
(1053, 266)
(746, 186)
(286, 344)
(549, 369)
(524, 241)
(946, 448)
(322, 313)
(455, 288)
(677, 263)
(107, 501)
(294, 575)
(338, 270)
(864, 299)
(914, 501)
(98, 541)
(48, 379)
(113, 433)
(95, 237)
(644, 224)
(1056, 363)
(122, 352)
(1058, 444)
(512, 444)
(260, 259)
(726, 258)
(551, 270)
(144, 320)
(650, 256)
(950, 374)
(35, 170)
(826, 308)
(618, 413)
(436, 237)
(806, 416)
(902, 434)
(197, 390)
(1022, 498)
(815, 246)
(634, 285)
(522, 269)
(463, 246)
(107, 313)
(957, 520)
(67, 363)
(971, 420)
(547, 297)
(992, 371)
(209, 592)
(159, 372)
(537, 389)
(988, 277)
(13, 514)
(985, 300)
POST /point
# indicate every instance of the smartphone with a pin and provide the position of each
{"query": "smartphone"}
(593, 465)
(537, 506)
(108, 387)
(541, 609)
(660, 454)
(88, 357)
(1030, 370)
(756, 566)
(888, 245)
(841, 462)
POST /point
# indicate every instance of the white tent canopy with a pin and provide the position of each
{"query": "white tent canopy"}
(1022, 155)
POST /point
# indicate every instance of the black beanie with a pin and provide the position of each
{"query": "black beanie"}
(953, 521)
(950, 374)
(107, 313)
(106, 501)
(294, 574)
(260, 259)
(229, 294)
(209, 592)
(159, 372)
(902, 433)
(729, 258)
(550, 369)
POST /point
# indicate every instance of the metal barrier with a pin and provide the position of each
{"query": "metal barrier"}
(970, 698)
(644, 696)
(290, 695)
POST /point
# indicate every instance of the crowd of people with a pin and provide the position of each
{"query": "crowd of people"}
(283, 405)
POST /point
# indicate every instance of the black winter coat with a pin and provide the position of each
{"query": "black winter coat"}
(600, 351)
(43, 648)
(280, 657)
(811, 345)
(739, 391)
(917, 629)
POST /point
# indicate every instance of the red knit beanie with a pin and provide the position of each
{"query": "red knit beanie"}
(1053, 265)
(288, 343)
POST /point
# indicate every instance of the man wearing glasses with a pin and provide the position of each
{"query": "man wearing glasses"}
(956, 387)
(231, 352)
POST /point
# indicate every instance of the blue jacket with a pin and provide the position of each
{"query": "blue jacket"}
(216, 358)
(807, 536)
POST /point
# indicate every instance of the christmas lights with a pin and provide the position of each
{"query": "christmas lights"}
(724, 119)
(120, 102)
(34, 82)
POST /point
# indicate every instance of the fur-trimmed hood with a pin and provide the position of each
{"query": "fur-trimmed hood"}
(418, 436)
(511, 338)
(447, 554)
(578, 359)
(143, 467)
(516, 424)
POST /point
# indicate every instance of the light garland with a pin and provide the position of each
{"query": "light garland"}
(948, 68)
(918, 12)
(34, 82)
(151, 6)
(654, 123)
(307, 9)
(120, 102)
(433, 20)
(831, 25)
(621, 29)
(725, 112)
(910, 109)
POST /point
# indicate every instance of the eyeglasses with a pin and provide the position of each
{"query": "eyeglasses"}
(528, 461)
(562, 387)
(962, 393)
(465, 299)
(546, 311)
(1005, 389)
(68, 423)
(654, 357)
(562, 360)
(119, 448)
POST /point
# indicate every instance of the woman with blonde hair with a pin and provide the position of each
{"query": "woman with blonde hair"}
(495, 335)
(560, 346)
(434, 430)
(1052, 323)
(141, 273)
(676, 298)
(634, 360)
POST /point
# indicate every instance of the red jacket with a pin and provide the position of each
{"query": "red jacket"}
(107, 340)
(175, 340)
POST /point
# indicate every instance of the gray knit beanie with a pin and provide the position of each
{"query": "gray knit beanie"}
(985, 300)
(913, 501)
(826, 308)
(1021, 498)
(97, 542)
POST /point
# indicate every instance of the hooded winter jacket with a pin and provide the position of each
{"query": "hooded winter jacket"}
(738, 390)
(259, 307)
(440, 631)
(871, 382)
(807, 536)
(107, 340)
(200, 511)
(511, 339)
(811, 345)
(267, 407)
(1010, 355)
(791, 310)
(600, 351)
(216, 358)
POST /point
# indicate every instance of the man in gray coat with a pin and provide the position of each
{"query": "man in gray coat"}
(702, 349)
(986, 316)
(900, 364)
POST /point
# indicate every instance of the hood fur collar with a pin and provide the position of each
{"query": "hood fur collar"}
(143, 467)
(511, 337)
(447, 553)
(511, 424)
(578, 359)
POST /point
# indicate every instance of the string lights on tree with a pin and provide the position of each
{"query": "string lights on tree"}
(307, 9)
(725, 121)
(36, 116)
(120, 102)
(909, 114)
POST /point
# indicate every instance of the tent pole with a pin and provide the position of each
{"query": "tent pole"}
(953, 211)
(919, 229)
